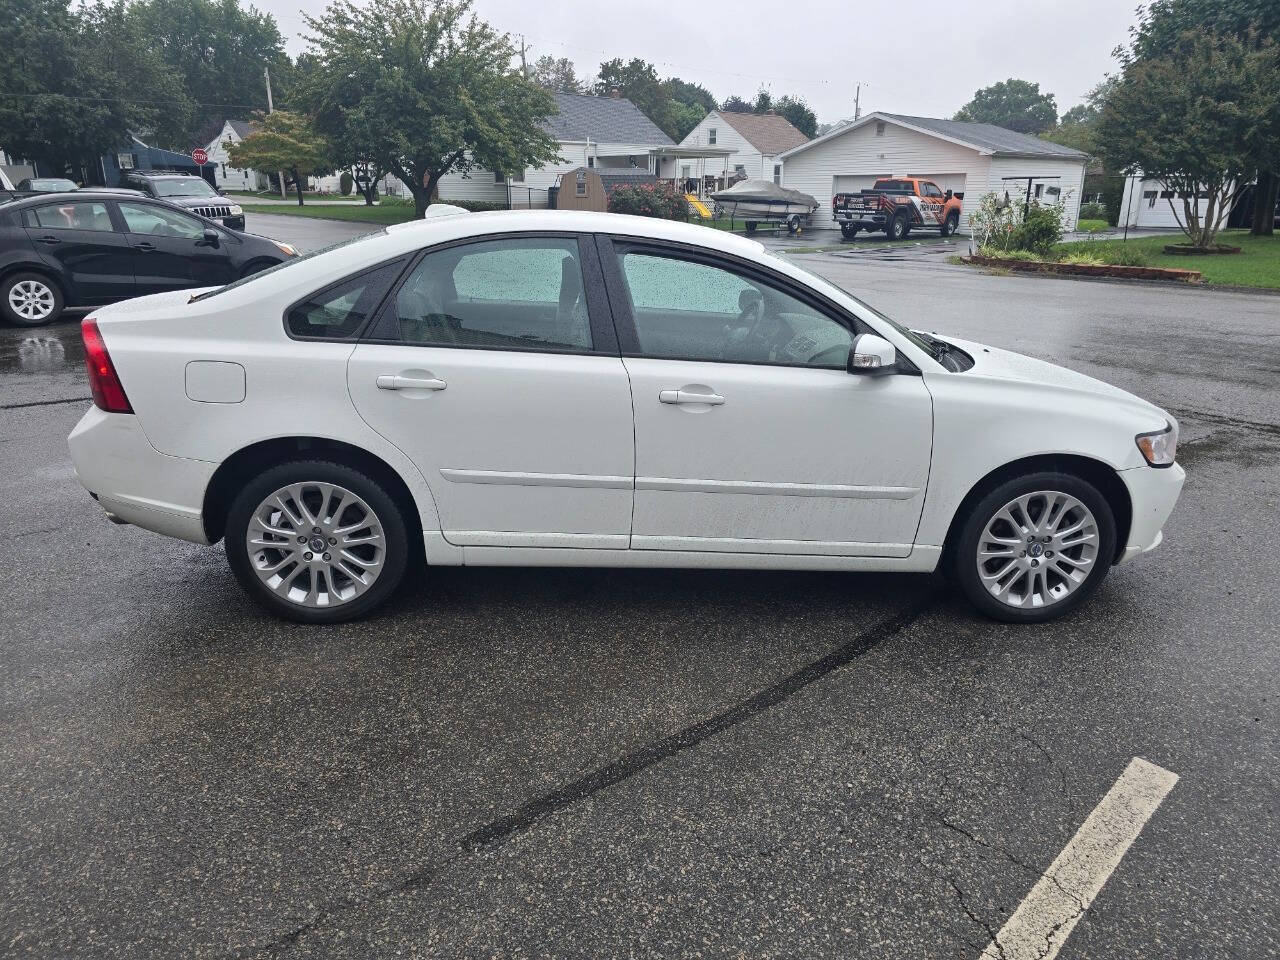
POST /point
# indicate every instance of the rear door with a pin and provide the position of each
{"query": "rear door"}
(494, 367)
(80, 238)
(170, 251)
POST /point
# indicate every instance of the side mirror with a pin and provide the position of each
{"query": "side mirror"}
(211, 238)
(948, 195)
(872, 356)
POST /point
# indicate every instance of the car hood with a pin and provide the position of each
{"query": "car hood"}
(189, 202)
(999, 364)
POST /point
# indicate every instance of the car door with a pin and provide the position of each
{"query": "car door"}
(81, 240)
(494, 367)
(750, 434)
(170, 251)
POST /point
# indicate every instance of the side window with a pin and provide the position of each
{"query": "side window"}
(931, 190)
(71, 216)
(686, 310)
(521, 293)
(156, 221)
(337, 312)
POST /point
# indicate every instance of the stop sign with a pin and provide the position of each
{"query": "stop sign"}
(199, 156)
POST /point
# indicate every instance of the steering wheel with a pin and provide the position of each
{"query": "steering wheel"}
(756, 335)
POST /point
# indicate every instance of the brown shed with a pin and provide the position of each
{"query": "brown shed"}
(587, 188)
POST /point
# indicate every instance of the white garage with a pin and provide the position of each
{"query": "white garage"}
(969, 159)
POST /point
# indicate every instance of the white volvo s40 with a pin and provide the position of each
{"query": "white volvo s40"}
(579, 389)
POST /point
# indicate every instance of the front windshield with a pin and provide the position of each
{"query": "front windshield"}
(186, 187)
(283, 265)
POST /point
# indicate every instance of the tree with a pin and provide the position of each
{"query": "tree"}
(283, 141)
(1014, 104)
(735, 104)
(558, 76)
(798, 114)
(637, 80)
(763, 102)
(431, 86)
(1184, 119)
(689, 103)
(219, 50)
(1253, 22)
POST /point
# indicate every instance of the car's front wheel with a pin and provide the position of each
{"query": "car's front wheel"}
(317, 542)
(1035, 547)
(30, 299)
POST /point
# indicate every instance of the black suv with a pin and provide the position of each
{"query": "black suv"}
(189, 192)
(92, 247)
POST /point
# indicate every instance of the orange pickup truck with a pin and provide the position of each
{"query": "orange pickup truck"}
(897, 205)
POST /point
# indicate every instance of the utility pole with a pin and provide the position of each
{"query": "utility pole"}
(524, 66)
(266, 72)
(857, 102)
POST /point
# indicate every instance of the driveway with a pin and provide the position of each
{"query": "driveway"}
(565, 763)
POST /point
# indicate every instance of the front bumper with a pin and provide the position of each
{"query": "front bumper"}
(1153, 492)
(133, 481)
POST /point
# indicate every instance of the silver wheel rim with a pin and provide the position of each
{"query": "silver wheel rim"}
(31, 299)
(1037, 549)
(315, 544)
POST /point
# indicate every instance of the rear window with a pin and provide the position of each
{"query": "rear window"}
(341, 309)
(895, 186)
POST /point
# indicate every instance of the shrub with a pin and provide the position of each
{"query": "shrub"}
(1087, 259)
(345, 183)
(649, 200)
(1040, 229)
(1093, 211)
(1119, 254)
(1000, 254)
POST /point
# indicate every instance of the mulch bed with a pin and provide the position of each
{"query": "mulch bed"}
(1187, 250)
(1089, 269)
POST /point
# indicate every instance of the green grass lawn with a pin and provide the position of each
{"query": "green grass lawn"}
(1092, 226)
(1257, 265)
(384, 213)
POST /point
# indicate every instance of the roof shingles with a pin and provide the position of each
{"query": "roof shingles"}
(770, 133)
(603, 120)
(988, 136)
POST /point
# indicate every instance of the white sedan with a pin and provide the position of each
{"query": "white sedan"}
(576, 389)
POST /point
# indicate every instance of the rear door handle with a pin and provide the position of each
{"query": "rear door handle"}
(396, 382)
(689, 396)
(145, 247)
(49, 240)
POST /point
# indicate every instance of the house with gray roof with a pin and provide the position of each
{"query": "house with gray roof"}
(970, 159)
(227, 177)
(594, 132)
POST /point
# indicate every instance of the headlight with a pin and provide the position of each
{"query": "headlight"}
(1160, 447)
(288, 249)
(236, 210)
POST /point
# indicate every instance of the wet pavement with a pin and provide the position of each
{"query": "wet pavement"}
(566, 763)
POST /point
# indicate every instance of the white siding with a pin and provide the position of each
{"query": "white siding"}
(898, 152)
(1070, 174)
(1142, 210)
(727, 138)
(225, 176)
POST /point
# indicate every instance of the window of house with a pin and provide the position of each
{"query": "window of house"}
(498, 177)
(777, 173)
(1166, 194)
(126, 161)
(521, 293)
(685, 310)
(580, 187)
(518, 177)
(711, 136)
(591, 161)
(337, 312)
(72, 216)
(1150, 197)
(879, 128)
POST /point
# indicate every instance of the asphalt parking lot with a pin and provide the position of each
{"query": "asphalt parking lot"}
(569, 763)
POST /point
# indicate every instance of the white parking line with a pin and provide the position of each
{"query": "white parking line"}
(1045, 918)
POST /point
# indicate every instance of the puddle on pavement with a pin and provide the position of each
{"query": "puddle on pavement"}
(30, 353)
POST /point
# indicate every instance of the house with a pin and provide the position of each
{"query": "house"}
(755, 141)
(592, 132)
(970, 159)
(227, 177)
(137, 155)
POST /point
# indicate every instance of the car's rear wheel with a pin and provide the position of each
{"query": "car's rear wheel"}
(30, 299)
(1035, 547)
(317, 542)
(848, 231)
(897, 227)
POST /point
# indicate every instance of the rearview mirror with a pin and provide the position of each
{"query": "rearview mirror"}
(872, 355)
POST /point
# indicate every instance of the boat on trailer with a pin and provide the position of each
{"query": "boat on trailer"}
(762, 201)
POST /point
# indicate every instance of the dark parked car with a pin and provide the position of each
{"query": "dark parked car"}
(90, 247)
(47, 185)
(190, 193)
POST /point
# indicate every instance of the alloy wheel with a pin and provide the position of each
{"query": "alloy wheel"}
(1037, 549)
(31, 300)
(315, 544)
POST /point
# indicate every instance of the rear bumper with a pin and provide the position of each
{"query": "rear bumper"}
(864, 221)
(133, 481)
(1153, 493)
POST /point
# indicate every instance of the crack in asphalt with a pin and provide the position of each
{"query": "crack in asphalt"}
(44, 403)
(1183, 413)
(968, 912)
(626, 767)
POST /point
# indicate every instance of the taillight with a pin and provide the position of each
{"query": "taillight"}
(108, 391)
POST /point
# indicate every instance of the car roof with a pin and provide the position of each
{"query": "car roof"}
(161, 174)
(88, 193)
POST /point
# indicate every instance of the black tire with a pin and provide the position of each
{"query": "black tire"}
(898, 226)
(963, 553)
(395, 531)
(50, 288)
(950, 224)
(793, 224)
(751, 226)
(848, 231)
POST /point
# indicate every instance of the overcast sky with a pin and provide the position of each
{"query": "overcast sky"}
(923, 57)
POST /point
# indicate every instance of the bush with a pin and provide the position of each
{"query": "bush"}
(1093, 211)
(649, 200)
(1000, 254)
(1119, 254)
(346, 183)
(1040, 229)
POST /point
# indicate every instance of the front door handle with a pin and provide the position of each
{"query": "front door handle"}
(690, 396)
(396, 382)
(145, 246)
(49, 240)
